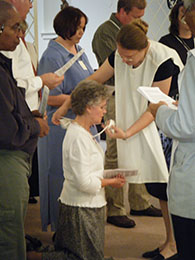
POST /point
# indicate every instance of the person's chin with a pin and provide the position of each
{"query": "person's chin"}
(13, 48)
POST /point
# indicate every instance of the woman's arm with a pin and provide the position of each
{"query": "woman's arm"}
(145, 119)
(104, 73)
(57, 101)
(61, 111)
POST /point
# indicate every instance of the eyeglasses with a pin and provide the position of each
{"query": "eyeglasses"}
(31, 1)
(126, 59)
(16, 27)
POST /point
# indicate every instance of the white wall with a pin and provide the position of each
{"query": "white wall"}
(97, 12)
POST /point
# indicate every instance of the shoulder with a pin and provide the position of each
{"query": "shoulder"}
(106, 29)
(192, 52)
(169, 40)
(190, 63)
(166, 37)
(160, 53)
(77, 139)
(76, 132)
(54, 50)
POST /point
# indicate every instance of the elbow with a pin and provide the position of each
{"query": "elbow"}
(91, 186)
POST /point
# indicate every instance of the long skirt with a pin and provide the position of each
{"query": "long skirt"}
(79, 235)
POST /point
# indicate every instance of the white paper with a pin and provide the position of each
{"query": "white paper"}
(66, 66)
(43, 104)
(110, 173)
(155, 95)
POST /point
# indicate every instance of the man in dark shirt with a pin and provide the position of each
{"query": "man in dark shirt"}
(19, 131)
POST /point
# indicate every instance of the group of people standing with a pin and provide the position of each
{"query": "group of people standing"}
(72, 162)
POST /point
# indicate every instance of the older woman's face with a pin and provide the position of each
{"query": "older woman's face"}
(131, 57)
(80, 31)
(97, 112)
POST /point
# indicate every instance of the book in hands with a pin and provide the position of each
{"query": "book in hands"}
(43, 104)
(111, 173)
(155, 95)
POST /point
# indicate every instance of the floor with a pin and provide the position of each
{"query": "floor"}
(120, 243)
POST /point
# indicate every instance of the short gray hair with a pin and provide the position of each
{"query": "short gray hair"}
(189, 3)
(87, 93)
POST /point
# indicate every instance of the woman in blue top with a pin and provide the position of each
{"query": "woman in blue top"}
(69, 25)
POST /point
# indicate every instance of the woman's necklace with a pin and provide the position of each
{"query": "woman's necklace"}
(185, 45)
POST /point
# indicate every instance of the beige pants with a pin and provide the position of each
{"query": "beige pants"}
(137, 195)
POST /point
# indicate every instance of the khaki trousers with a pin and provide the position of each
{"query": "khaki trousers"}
(137, 194)
(14, 194)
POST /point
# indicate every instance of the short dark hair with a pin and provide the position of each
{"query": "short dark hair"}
(87, 93)
(67, 21)
(173, 17)
(5, 9)
(127, 5)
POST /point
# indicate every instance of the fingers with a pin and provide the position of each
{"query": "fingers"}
(44, 128)
(55, 119)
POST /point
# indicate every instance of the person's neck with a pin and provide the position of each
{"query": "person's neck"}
(83, 121)
(117, 15)
(185, 34)
(69, 45)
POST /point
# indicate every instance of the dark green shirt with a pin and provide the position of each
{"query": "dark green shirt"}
(104, 40)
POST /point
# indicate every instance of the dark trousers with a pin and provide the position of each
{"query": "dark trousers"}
(34, 178)
(184, 230)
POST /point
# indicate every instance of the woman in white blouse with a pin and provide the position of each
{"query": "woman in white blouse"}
(82, 199)
(80, 230)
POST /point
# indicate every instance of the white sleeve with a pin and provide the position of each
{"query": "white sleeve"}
(23, 69)
(86, 167)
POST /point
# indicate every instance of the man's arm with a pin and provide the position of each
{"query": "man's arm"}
(180, 124)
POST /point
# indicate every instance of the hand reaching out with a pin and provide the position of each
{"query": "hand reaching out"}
(61, 111)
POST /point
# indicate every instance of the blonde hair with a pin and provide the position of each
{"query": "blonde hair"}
(133, 36)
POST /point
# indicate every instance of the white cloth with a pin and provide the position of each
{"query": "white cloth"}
(143, 151)
(83, 164)
(180, 125)
(24, 74)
